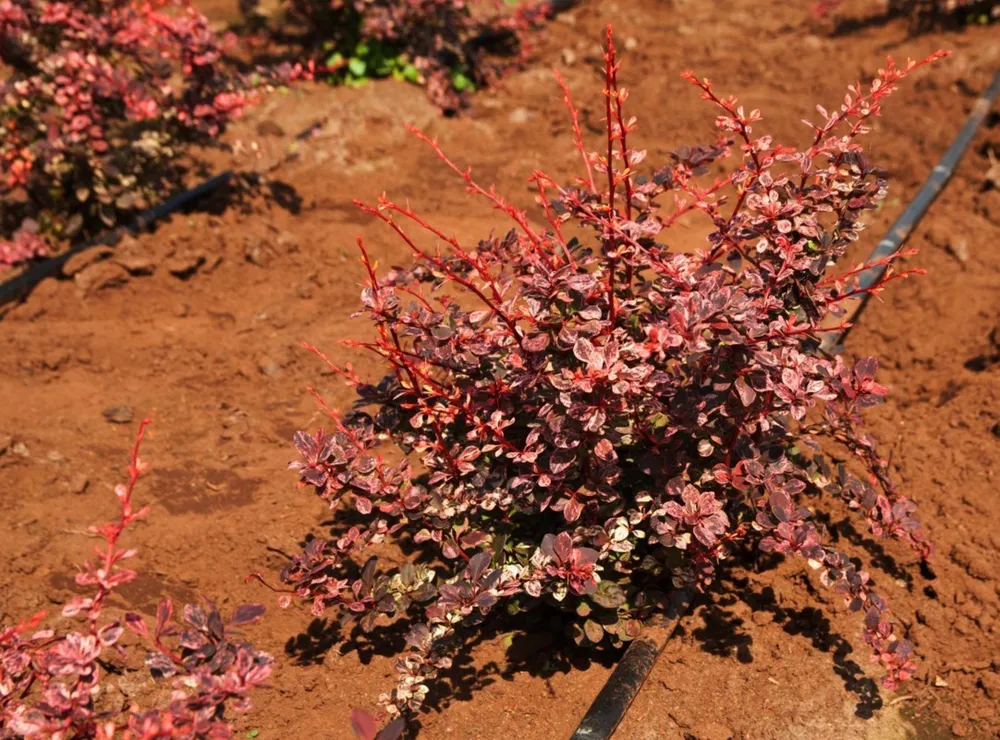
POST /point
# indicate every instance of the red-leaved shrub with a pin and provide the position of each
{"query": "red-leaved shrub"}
(598, 419)
(55, 681)
(449, 46)
(100, 99)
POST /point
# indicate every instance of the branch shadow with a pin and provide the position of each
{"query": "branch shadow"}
(723, 635)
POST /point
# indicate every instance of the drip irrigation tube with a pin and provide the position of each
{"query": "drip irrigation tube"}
(18, 286)
(628, 676)
(636, 664)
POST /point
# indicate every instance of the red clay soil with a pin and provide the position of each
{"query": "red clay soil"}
(208, 345)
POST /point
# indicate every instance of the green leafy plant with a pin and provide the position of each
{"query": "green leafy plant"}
(450, 47)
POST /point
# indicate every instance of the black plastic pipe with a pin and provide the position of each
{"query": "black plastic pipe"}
(635, 666)
(928, 193)
(632, 670)
(21, 284)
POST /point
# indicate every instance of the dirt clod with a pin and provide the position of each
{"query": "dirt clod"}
(267, 366)
(119, 414)
(84, 259)
(77, 484)
(100, 276)
(184, 265)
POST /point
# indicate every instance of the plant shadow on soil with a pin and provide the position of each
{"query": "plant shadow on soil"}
(918, 25)
(539, 643)
(724, 633)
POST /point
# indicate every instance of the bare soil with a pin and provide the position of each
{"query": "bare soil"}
(199, 323)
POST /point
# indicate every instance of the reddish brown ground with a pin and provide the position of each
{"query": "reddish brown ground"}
(214, 358)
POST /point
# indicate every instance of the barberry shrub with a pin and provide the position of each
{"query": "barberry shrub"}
(927, 14)
(588, 422)
(100, 100)
(55, 680)
(451, 47)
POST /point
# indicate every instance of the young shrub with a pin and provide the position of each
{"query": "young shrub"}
(927, 14)
(451, 47)
(100, 99)
(595, 421)
(54, 680)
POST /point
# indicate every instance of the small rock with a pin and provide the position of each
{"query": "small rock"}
(813, 41)
(54, 456)
(267, 366)
(685, 30)
(288, 241)
(631, 43)
(258, 251)
(568, 18)
(183, 266)
(960, 729)
(77, 484)
(568, 57)
(959, 249)
(940, 682)
(20, 449)
(55, 359)
(118, 414)
(519, 115)
(100, 276)
(182, 310)
(84, 259)
(304, 291)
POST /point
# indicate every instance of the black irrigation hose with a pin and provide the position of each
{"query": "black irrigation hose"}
(635, 666)
(18, 286)
(628, 676)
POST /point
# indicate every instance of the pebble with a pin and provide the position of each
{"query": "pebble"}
(813, 42)
(77, 484)
(631, 43)
(288, 241)
(118, 414)
(20, 449)
(568, 57)
(54, 456)
(959, 249)
(258, 251)
(267, 366)
(519, 115)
